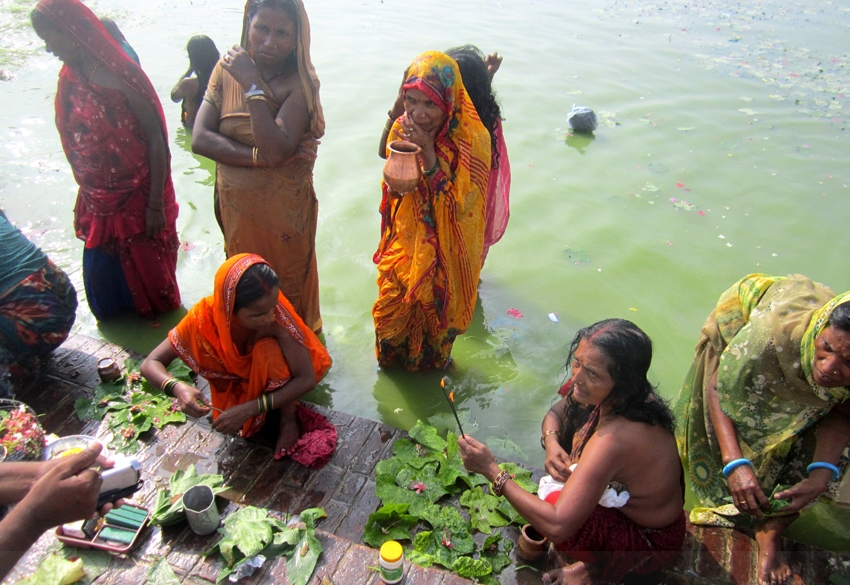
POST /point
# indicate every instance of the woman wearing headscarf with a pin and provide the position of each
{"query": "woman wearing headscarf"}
(764, 419)
(258, 356)
(113, 131)
(432, 238)
(260, 121)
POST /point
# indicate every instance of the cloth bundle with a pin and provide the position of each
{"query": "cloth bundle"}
(610, 497)
(582, 119)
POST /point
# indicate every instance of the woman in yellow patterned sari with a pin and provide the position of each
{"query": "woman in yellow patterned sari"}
(260, 121)
(432, 237)
(764, 405)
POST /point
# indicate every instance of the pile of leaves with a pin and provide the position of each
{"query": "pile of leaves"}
(168, 507)
(411, 485)
(251, 531)
(130, 406)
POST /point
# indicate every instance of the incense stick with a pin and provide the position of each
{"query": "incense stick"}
(451, 402)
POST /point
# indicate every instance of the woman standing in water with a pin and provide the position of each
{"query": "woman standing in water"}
(190, 90)
(113, 132)
(260, 121)
(432, 238)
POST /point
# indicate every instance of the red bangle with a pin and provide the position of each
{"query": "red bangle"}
(499, 482)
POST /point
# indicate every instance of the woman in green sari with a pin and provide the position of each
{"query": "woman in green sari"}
(764, 426)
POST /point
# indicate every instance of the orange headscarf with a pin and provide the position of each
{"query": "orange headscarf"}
(204, 342)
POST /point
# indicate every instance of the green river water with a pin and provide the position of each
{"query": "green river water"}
(723, 149)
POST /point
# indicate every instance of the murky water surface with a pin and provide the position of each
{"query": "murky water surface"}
(723, 149)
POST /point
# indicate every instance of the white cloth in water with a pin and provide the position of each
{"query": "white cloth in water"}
(610, 498)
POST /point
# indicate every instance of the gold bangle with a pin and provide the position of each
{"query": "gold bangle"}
(546, 434)
(271, 400)
(258, 97)
(256, 155)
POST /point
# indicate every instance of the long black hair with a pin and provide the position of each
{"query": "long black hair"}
(476, 80)
(628, 353)
(255, 284)
(203, 55)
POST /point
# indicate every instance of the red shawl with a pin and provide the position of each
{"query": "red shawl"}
(108, 153)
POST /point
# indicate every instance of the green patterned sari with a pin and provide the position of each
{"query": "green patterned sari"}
(760, 341)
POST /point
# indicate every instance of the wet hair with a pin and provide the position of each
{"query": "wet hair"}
(112, 29)
(840, 317)
(627, 351)
(255, 283)
(203, 55)
(476, 80)
(288, 6)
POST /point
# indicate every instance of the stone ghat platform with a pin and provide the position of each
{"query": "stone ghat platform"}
(345, 488)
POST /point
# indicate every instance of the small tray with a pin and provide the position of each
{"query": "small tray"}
(101, 544)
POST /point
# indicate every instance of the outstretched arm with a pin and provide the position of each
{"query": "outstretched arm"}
(492, 62)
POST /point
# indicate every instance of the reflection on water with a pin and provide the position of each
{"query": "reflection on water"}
(721, 150)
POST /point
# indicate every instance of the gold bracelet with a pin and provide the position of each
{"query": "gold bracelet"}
(256, 155)
(546, 434)
(168, 385)
(258, 97)
(271, 399)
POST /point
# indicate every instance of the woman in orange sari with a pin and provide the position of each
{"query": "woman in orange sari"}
(254, 350)
(113, 132)
(432, 238)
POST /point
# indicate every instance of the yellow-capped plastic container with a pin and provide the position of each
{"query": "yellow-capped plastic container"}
(392, 562)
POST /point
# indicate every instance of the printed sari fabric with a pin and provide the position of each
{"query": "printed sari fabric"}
(38, 303)
(273, 212)
(204, 342)
(108, 153)
(760, 341)
(432, 238)
(497, 208)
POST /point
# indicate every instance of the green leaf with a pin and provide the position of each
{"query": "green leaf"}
(509, 512)
(311, 515)
(470, 568)
(412, 454)
(95, 562)
(56, 570)
(427, 436)
(301, 563)
(161, 573)
(483, 515)
(496, 551)
(412, 479)
(246, 531)
(419, 558)
(442, 547)
(390, 522)
(389, 492)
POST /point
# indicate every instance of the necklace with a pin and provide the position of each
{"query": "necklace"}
(94, 71)
(267, 79)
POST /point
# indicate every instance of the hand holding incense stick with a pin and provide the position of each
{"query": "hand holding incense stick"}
(451, 398)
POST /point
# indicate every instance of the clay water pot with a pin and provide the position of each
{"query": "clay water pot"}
(531, 545)
(402, 171)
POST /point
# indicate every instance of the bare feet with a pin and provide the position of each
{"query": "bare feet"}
(575, 574)
(288, 433)
(772, 566)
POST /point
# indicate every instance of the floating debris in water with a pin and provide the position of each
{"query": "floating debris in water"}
(553, 317)
(515, 313)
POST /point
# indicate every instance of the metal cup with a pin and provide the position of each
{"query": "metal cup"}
(201, 511)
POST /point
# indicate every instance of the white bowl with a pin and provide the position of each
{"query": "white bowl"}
(67, 446)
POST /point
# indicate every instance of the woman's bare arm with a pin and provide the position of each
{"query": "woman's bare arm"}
(155, 371)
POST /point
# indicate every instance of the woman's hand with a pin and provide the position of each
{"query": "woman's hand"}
(231, 420)
(802, 493)
(477, 458)
(492, 62)
(747, 494)
(239, 64)
(154, 221)
(188, 397)
(557, 462)
(414, 133)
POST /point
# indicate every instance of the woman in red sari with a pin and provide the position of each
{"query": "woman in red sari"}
(113, 131)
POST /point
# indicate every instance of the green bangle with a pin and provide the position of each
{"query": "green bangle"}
(168, 385)
(432, 170)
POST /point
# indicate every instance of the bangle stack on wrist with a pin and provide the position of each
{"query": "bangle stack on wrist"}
(836, 473)
(265, 403)
(432, 170)
(168, 386)
(732, 465)
(499, 482)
